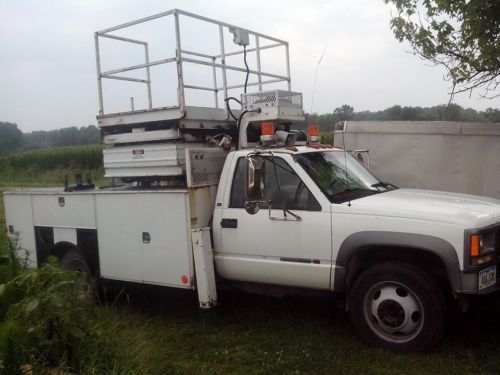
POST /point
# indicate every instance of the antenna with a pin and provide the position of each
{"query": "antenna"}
(345, 159)
(316, 77)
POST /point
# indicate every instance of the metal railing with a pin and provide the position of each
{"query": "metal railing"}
(217, 61)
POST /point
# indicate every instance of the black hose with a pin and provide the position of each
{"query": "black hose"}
(238, 129)
(246, 65)
(229, 108)
(233, 98)
(258, 110)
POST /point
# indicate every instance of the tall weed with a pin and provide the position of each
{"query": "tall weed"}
(47, 321)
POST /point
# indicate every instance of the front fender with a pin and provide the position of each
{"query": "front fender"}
(358, 241)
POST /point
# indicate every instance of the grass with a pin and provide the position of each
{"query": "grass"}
(3, 243)
(162, 331)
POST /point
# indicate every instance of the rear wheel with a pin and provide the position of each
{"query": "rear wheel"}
(394, 306)
(73, 260)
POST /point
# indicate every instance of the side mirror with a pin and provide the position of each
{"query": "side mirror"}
(255, 182)
(252, 207)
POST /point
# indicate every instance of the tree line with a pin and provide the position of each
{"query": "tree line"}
(450, 112)
(12, 139)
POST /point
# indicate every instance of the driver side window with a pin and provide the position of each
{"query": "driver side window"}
(292, 194)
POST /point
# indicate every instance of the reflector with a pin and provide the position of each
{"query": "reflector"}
(474, 245)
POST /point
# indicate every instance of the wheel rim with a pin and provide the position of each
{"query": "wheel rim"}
(393, 311)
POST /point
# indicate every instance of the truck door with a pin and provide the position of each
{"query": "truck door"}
(265, 247)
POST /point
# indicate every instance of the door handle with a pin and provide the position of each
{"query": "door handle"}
(229, 223)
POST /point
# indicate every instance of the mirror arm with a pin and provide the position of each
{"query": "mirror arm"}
(297, 217)
(285, 211)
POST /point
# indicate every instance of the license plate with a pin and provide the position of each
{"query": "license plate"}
(487, 277)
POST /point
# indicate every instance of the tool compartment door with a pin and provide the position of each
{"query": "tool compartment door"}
(144, 237)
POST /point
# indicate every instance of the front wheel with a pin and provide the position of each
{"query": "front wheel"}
(394, 306)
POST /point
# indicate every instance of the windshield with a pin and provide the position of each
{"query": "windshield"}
(328, 171)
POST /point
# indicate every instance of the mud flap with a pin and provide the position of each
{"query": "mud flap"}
(204, 267)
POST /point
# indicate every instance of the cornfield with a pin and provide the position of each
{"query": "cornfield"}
(51, 165)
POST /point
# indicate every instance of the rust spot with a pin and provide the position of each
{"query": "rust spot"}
(319, 146)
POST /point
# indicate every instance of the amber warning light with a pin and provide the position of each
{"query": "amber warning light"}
(267, 131)
(313, 134)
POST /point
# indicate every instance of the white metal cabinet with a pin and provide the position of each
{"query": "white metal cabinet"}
(64, 210)
(19, 215)
(145, 237)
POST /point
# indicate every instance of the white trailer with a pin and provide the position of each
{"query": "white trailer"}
(461, 157)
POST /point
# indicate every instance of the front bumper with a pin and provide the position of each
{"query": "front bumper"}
(470, 282)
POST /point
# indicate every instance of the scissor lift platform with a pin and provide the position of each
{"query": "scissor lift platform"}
(167, 123)
(174, 122)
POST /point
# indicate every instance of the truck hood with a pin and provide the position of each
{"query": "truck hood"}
(469, 211)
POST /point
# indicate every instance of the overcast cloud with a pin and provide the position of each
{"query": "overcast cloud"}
(47, 61)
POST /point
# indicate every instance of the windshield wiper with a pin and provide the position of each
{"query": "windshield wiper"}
(350, 194)
(385, 185)
(349, 190)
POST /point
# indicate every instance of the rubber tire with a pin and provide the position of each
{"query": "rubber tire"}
(434, 308)
(73, 260)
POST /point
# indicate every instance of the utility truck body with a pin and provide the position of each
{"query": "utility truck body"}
(209, 199)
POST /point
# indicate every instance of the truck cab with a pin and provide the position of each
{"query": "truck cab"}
(323, 221)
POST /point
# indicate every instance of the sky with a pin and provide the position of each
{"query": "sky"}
(48, 65)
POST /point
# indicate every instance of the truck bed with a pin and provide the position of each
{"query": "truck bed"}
(132, 234)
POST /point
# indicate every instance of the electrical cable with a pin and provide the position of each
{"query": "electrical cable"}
(238, 129)
(246, 65)
(238, 120)
(229, 108)
(238, 123)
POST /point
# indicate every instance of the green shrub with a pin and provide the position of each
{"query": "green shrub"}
(13, 259)
(327, 138)
(48, 321)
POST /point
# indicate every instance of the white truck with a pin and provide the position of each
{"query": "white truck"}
(273, 209)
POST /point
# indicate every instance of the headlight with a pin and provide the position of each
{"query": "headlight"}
(487, 242)
(482, 247)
